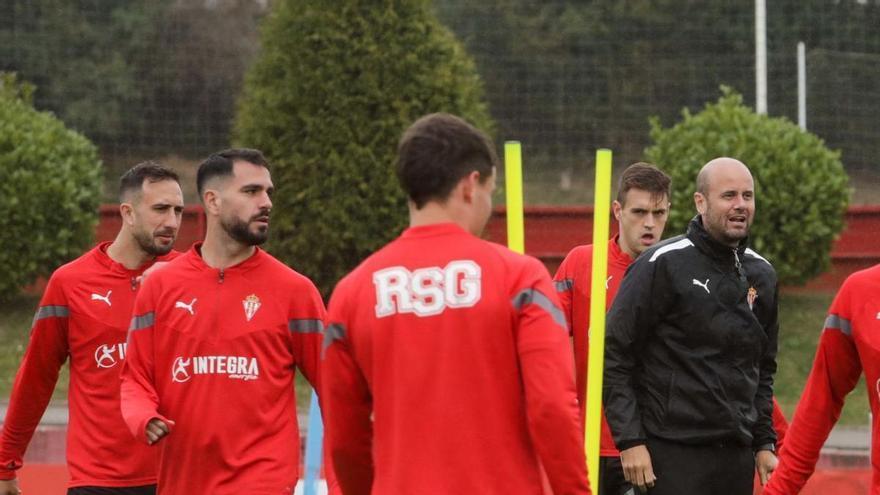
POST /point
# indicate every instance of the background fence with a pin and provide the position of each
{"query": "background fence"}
(159, 78)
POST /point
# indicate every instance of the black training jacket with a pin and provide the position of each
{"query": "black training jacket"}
(690, 348)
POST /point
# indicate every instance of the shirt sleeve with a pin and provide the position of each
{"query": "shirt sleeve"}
(563, 281)
(46, 352)
(306, 325)
(347, 403)
(547, 373)
(138, 398)
(835, 373)
(632, 316)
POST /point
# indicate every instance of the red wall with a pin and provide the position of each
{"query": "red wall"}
(552, 231)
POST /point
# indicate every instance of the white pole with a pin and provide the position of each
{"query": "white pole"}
(802, 85)
(761, 56)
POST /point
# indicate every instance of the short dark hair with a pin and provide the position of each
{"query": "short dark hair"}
(644, 176)
(221, 164)
(436, 152)
(133, 179)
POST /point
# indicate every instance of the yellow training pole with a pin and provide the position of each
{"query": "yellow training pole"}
(596, 337)
(513, 190)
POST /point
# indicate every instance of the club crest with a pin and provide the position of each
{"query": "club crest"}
(251, 305)
(751, 297)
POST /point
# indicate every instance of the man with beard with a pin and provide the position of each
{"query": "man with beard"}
(691, 351)
(214, 344)
(84, 314)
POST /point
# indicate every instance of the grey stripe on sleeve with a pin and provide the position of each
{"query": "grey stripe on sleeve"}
(305, 326)
(836, 322)
(51, 312)
(564, 284)
(532, 296)
(140, 322)
(334, 332)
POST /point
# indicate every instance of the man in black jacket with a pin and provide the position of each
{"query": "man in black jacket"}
(691, 351)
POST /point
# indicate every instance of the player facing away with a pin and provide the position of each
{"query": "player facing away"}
(641, 209)
(84, 316)
(849, 345)
(447, 367)
(214, 342)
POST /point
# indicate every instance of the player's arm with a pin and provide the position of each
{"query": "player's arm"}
(138, 398)
(632, 316)
(780, 424)
(347, 404)
(547, 370)
(835, 373)
(46, 352)
(564, 284)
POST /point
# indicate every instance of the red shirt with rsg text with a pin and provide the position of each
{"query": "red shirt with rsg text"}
(448, 370)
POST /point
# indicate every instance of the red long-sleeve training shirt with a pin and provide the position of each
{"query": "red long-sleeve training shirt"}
(215, 351)
(573, 285)
(849, 345)
(84, 315)
(448, 370)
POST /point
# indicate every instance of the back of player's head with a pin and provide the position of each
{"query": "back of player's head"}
(132, 181)
(222, 164)
(436, 152)
(646, 177)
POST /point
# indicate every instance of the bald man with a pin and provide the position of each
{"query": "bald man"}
(691, 351)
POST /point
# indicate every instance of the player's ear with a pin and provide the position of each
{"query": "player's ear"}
(700, 202)
(211, 200)
(126, 211)
(468, 185)
(616, 207)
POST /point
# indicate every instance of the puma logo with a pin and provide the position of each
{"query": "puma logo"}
(188, 307)
(704, 285)
(99, 297)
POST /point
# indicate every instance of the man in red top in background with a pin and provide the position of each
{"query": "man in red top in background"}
(849, 345)
(641, 210)
(447, 367)
(84, 315)
(215, 341)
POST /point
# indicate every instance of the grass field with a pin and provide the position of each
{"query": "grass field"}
(801, 318)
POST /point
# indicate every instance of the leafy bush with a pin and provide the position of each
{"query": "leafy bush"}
(50, 185)
(327, 100)
(801, 188)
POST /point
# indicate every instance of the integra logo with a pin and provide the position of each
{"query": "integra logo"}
(234, 367)
(106, 356)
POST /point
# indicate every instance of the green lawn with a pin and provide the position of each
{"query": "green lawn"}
(801, 318)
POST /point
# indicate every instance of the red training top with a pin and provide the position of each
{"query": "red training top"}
(215, 351)
(448, 370)
(573, 284)
(84, 314)
(849, 345)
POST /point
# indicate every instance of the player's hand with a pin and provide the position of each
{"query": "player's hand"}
(9, 487)
(140, 278)
(765, 463)
(637, 468)
(156, 430)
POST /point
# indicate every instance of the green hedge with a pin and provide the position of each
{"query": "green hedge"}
(334, 87)
(801, 187)
(50, 185)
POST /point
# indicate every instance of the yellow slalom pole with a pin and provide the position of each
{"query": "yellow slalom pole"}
(596, 359)
(513, 191)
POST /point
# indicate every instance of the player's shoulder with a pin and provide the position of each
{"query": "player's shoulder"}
(758, 263)
(76, 269)
(669, 249)
(513, 261)
(282, 273)
(865, 281)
